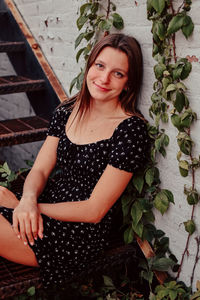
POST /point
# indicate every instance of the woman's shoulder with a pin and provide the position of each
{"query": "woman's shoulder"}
(132, 123)
(131, 129)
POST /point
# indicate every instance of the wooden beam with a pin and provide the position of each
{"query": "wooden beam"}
(37, 52)
(148, 253)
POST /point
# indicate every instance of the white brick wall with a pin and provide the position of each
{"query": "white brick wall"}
(57, 42)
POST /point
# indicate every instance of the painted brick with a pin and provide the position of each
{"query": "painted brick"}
(57, 42)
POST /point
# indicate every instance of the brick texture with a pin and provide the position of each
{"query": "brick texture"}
(53, 23)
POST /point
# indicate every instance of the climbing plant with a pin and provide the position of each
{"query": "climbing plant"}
(169, 102)
(170, 93)
(94, 18)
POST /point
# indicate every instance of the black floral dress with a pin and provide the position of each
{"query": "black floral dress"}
(67, 247)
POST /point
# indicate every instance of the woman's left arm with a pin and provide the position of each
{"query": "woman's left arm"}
(108, 189)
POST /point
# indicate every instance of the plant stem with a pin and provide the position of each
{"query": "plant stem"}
(108, 10)
(186, 247)
(107, 16)
(196, 260)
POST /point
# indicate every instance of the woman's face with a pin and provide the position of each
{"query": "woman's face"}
(108, 75)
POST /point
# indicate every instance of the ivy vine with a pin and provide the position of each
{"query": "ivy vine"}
(169, 101)
(93, 20)
(171, 93)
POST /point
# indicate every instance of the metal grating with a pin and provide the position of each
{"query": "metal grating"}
(22, 130)
(12, 46)
(18, 84)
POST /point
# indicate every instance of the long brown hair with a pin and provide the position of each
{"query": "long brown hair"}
(131, 48)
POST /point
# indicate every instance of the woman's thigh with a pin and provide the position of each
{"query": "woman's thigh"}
(13, 248)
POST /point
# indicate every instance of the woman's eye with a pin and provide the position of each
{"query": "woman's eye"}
(119, 74)
(99, 66)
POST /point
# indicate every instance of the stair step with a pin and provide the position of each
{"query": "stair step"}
(3, 13)
(12, 46)
(18, 84)
(22, 130)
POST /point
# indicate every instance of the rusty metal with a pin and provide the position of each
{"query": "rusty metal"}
(55, 83)
(16, 279)
(22, 130)
(12, 46)
(19, 84)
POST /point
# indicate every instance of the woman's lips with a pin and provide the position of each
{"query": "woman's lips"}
(101, 88)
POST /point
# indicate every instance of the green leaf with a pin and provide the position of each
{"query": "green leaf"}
(147, 275)
(6, 168)
(126, 204)
(94, 7)
(176, 23)
(159, 69)
(161, 202)
(162, 264)
(149, 176)
(188, 29)
(181, 86)
(79, 39)
(138, 182)
(171, 87)
(177, 72)
(136, 213)
(80, 79)
(158, 5)
(176, 121)
(183, 172)
(128, 235)
(108, 281)
(186, 69)
(159, 30)
(117, 21)
(105, 25)
(72, 84)
(173, 294)
(79, 53)
(190, 226)
(193, 198)
(169, 195)
(31, 291)
(84, 8)
(164, 117)
(149, 216)
(165, 82)
(81, 21)
(183, 164)
(138, 229)
(89, 35)
(185, 146)
(145, 204)
(179, 101)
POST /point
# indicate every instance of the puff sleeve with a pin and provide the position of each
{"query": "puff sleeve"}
(129, 145)
(58, 122)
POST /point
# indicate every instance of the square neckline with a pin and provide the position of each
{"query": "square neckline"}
(98, 141)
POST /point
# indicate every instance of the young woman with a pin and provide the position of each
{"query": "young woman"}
(98, 142)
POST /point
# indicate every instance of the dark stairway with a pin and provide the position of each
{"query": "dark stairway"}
(34, 77)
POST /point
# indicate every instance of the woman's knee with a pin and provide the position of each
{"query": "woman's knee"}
(7, 198)
(12, 248)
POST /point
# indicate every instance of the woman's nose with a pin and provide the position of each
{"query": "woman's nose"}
(105, 77)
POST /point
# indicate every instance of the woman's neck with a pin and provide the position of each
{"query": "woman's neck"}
(106, 109)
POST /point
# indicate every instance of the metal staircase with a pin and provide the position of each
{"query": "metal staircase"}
(34, 77)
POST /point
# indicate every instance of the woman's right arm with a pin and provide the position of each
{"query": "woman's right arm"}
(27, 222)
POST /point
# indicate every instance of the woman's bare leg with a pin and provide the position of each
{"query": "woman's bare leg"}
(13, 248)
(7, 198)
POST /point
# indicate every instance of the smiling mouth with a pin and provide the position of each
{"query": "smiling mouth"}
(101, 88)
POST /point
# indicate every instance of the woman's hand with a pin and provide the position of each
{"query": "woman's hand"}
(27, 221)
